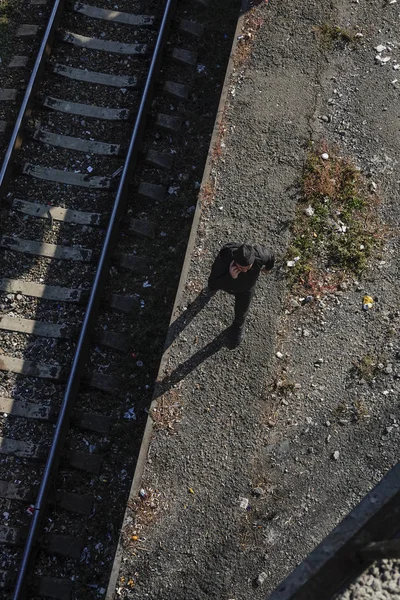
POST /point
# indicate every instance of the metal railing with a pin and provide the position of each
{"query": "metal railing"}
(365, 535)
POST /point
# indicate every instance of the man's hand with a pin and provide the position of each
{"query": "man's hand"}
(233, 270)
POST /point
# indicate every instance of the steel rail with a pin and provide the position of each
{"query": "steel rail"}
(364, 535)
(81, 353)
(32, 88)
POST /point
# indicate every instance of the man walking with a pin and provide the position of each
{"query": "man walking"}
(235, 271)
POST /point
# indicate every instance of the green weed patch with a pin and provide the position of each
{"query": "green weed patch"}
(336, 230)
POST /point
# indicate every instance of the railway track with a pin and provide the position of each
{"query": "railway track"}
(83, 210)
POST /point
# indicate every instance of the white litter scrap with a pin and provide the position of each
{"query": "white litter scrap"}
(201, 68)
(380, 48)
(146, 284)
(291, 263)
(85, 556)
(173, 189)
(130, 414)
(309, 211)
(383, 60)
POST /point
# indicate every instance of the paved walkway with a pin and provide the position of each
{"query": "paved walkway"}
(235, 486)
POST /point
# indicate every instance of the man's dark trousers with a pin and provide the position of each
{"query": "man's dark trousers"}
(242, 306)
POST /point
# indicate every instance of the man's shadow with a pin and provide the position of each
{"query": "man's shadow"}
(194, 361)
(188, 315)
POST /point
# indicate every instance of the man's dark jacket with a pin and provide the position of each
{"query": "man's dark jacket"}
(221, 279)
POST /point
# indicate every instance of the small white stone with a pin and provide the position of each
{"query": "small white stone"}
(279, 355)
(359, 35)
(243, 502)
(381, 60)
(325, 156)
(309, 211)
(380, 48)
(290, 263)
(396, 67)
(336, 455)
(261, 578)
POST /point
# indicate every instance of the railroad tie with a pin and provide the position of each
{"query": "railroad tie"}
(142, 227)
(69, 501)
(103, 382)
(113, 15)
(13, 536)
(27, 410)
(38, 290)
(64, 545)
(74, 143)
(7, 579)
(22, 449)
(168, 122)
(28, 31)
(152, 191)
(82, 41)
(176, 90)
(159, 159)
(192, 27)
(83, 461)
(53, 587)
(120, 81)
(8, 95)
(39, 328)
(132, 262)
(92, 422)
(124, 303)
(56, 213)
(112, 339)
(46, 250)
(18, 62)
(30, 368)
(86, 110)
(185, 57)
(67, 177)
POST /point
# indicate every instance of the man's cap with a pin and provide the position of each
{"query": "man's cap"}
(244, 255)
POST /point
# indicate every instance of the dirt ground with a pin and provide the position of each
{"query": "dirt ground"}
(259, 452)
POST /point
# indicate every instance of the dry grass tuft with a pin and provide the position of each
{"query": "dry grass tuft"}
(340, 232)
(207, 193)
(142, 512)
(252, 23)
(168, 411)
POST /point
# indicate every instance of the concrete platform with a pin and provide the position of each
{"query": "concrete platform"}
(237, 482)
